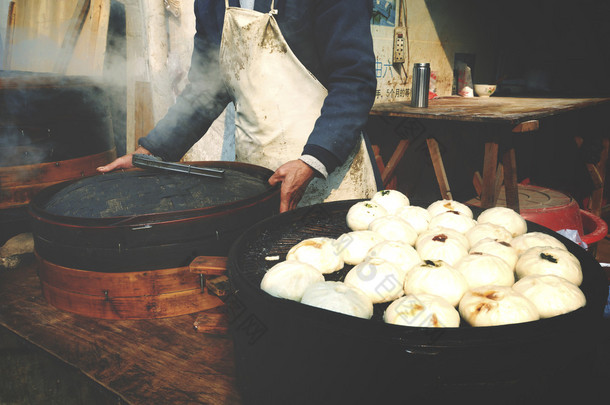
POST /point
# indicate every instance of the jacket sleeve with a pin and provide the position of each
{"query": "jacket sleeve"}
(343, 38)
(202, 100)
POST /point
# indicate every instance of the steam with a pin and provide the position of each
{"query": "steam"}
(47, 117)
(26, 138)
(37, 54)
(16, 148)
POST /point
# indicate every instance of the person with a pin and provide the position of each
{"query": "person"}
(302, 76)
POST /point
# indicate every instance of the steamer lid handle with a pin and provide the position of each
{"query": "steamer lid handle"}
(153, 162)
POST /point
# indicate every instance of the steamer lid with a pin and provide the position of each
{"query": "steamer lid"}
(141, 192)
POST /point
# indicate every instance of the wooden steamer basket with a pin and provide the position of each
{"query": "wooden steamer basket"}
(287, 352)
(119, 245)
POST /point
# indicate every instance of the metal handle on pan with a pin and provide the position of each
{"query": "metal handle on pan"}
(147, 162)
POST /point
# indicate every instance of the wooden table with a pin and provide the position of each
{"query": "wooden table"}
(504, 117)
(141, 361)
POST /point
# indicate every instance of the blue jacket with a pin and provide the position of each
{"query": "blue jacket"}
(332, 38)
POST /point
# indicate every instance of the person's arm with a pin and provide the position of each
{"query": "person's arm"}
(199, 104)
(345, 64)
(294, 175)
(347, 69)
(123, 162)
(202, 100)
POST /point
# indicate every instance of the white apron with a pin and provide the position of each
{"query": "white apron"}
(277, 102)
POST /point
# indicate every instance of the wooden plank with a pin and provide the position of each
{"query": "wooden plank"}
(596, 176)
(96, 28)
(499, 181)
(80, 38)
(510, 111)
(142, 361)
(490, 162)
(392, 181)
(209, 265)
(144, 117)
(218, 285)
(510, 179)
(214, 321)
(439, 169)
(395, 159)
(75, 26)
(55, 171)
(10, 33)
(597, 196)
(21, 183)
(477, 182)
(527, 126)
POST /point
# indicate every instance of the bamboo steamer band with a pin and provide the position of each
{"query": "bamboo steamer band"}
(133, 295)
(145, 307)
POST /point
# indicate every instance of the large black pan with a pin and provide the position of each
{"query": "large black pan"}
(289, 353)
(146, 219)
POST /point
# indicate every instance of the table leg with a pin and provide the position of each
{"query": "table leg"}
(439, 169)
(597, 196)
(396, 157)
(510, 165)
(489, 194)
(510, 179)
(490, 163)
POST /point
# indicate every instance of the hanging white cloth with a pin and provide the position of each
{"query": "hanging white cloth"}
(277, 103)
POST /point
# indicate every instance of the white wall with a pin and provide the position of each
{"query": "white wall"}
(437, 30)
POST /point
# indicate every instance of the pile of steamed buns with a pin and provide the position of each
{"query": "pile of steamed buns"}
(432, 266)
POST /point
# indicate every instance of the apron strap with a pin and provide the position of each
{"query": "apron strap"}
(227, 3)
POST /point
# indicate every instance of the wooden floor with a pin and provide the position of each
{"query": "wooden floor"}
(137, 362)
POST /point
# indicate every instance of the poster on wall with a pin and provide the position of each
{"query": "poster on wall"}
(391, 78)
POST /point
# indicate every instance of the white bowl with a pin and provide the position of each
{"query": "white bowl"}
(484, 90)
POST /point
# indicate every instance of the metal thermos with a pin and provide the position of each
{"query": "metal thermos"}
(420, 85)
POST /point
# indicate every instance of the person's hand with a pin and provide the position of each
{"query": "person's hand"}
(123, 162)
(294, 176)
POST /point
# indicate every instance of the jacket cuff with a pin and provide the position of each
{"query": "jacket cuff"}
(151, 147)
(315, 164)
(325, 157)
